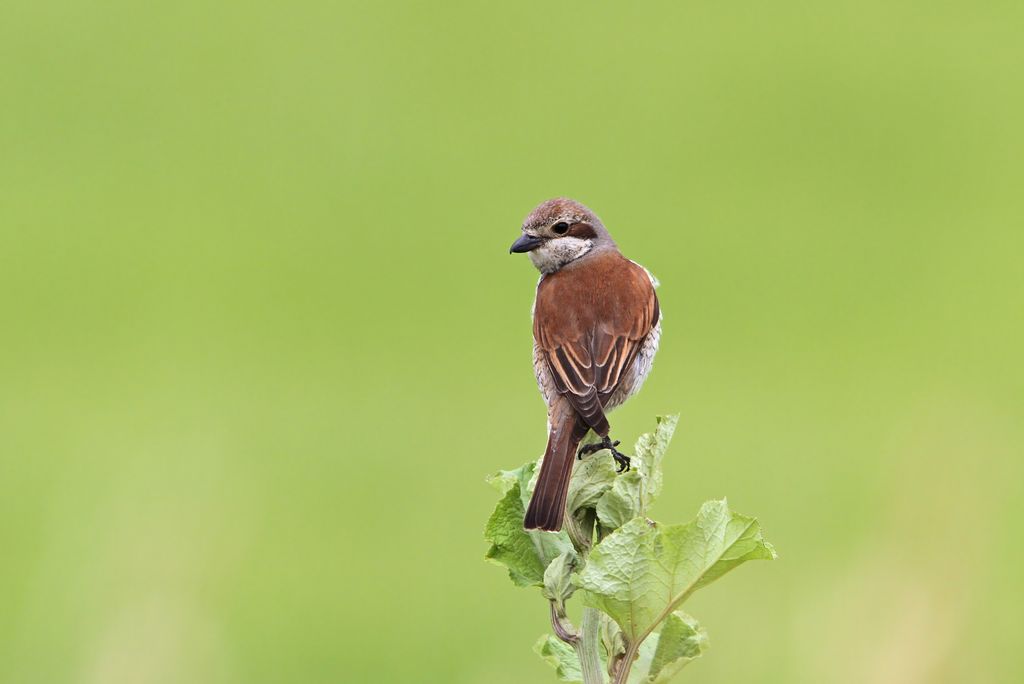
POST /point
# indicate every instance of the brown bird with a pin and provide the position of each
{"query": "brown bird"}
(596, 325)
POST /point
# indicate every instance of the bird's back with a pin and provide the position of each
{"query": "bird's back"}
(594, 324)
(601, 292)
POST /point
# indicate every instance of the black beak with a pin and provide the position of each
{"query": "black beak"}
(525, 243)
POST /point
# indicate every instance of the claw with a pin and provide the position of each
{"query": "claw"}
(621, 460)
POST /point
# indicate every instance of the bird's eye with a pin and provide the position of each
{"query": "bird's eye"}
(560, 228)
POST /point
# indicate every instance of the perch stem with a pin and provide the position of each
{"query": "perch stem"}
(588, 647)
(626, 664)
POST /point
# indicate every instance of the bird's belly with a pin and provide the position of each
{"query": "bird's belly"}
(544, 380)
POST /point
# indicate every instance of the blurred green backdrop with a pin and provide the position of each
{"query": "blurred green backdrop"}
(262, 339)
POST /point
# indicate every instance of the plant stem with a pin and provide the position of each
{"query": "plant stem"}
(588, 647)
(581, 532)
(626, 664)
(561, 626)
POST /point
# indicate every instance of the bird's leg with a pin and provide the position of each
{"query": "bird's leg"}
(606, 443)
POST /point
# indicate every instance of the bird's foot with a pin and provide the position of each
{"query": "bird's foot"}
(621, 460)
(587, 449)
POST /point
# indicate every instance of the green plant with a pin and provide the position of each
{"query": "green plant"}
(632, 573)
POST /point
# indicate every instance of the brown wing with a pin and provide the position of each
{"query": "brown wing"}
(590, 322)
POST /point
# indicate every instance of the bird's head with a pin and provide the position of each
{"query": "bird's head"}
(559, 232)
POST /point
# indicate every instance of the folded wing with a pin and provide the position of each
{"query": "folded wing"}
(590, 327)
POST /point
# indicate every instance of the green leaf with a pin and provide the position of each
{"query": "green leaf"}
(557, 584)
(560, 656)
(611, 637)
(524, 476)
(510, 546)
(678, 641)
(525, 554)
(642, 572)
(503, 480)
(632, 492)
(650, 451)
(592, 476)
(621, 503)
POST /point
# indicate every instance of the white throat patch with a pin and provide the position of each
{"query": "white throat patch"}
(557, 252)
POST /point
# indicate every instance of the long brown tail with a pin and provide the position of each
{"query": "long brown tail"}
(547, 506)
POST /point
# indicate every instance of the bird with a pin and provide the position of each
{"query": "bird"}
(596, 329)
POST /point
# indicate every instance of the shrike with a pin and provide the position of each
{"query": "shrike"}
(596, 325)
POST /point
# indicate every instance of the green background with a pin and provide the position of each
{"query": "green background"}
(261, 338)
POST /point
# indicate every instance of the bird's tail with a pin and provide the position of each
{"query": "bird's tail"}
(547, 506)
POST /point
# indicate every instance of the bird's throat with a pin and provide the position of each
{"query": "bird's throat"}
(556, 253)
